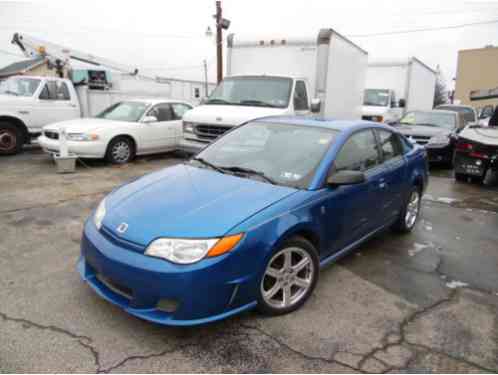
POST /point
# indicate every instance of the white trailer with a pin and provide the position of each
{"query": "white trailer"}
(394, 87)
(281, 76)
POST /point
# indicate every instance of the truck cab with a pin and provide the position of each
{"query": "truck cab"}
(381, 105)
(241, 98)
(27, 103)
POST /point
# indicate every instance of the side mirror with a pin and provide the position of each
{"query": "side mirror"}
(149, 119)
(346, 178)
(402, 103)
(316, 105)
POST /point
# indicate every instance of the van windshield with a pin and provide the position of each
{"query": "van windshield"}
(375, 97)
(271, 92)
(19, 86)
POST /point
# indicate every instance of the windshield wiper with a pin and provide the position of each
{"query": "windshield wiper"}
(218, 101)
(257, 103)
(251, 172)
(208, 164)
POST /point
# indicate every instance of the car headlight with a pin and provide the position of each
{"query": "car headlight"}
(439, 140)
(81, 137)
(187, 251)
(188, 127)
(99, 214)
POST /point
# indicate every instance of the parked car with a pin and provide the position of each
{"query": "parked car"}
(485, 114)
(125, 129)
(251, 219)
(435, 130)
(469, 113)
(476, 153)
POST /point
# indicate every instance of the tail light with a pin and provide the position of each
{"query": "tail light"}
(464, 146)
(479, 155)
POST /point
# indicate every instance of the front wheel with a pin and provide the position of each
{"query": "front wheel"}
(410, 212)
(120, 151)
(289, 277)
(11, 140)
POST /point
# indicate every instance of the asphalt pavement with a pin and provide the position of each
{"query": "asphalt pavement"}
(423, 302)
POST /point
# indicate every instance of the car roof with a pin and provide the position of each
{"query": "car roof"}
(154, 101)
(323, 122)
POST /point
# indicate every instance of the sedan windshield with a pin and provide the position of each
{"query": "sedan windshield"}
(276, 153)
(124, 111)
(19, 86)
(253, 91)
(441, 120)
(378, 98)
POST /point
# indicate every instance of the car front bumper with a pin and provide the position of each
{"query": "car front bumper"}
(191, 146)
(90, 150)
(206, 291)
(436, 154)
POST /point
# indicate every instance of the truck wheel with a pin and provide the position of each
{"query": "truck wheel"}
(11, 140)
(289, 277)
(121, 150)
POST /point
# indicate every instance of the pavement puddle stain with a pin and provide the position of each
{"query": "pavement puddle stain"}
(454, 284)
(417, 248)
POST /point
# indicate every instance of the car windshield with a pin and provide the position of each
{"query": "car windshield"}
(378, 98)
(468, 113)
(253, 91)
(280, 153)
(19, 86)
(124, 111)
(441, 120)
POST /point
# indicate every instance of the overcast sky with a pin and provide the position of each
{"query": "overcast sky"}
(168, 36)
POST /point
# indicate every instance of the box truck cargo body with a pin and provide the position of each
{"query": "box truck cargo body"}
(394, 87)
(281, 76)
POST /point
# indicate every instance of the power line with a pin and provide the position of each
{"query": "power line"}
(422, 29)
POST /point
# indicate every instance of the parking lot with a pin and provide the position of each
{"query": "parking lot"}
(424, 302)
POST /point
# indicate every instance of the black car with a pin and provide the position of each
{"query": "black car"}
(435, 130)
(476, 152)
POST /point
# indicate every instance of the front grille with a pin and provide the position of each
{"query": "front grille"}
(420, 139)
(211, 132)
(51, 135)
(115, 287)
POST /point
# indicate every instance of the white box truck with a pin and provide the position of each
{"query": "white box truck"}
(280, 76)
(394, 87)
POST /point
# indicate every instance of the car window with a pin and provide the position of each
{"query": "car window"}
(179, 110)
(300, 97)
(55, 90)
(124, 111)
(359, 153)
(390, 144)
(162, 112)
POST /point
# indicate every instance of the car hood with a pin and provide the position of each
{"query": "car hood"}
(422, 131)
(187, 202)
(371, 110)
(230, 115)
(487, 136)
(83, 125)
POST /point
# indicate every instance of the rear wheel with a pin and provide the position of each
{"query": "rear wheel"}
(289, 277)
(410, 213)
(11, 139)
(121, 150)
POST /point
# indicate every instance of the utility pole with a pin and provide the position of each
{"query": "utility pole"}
(219, 41)
(206, 93)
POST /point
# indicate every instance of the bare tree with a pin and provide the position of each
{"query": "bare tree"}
(441, 92)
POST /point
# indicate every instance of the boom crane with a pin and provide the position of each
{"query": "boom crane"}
(60, 56)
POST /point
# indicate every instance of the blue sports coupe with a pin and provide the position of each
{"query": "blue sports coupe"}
(250, 220)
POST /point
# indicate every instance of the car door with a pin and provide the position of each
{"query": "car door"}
(351, 211)
(179, 110)
(161, 134)
(394, 179)
(55, 103)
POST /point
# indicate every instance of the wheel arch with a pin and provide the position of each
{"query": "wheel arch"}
(18, 123)
(123, 135)
(304, 230)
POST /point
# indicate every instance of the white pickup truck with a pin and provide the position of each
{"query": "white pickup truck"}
(29, 103)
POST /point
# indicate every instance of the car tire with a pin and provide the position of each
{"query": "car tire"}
(120, 150)
(11, 139)
(410, 213)
(460, 177)
(283, 288)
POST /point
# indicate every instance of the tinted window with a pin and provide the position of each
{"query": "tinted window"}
(300, 97)
(179, 110)
(359, 153)
(390, 144)
(162, 112)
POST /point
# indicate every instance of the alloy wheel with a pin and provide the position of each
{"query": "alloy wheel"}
(287, 278)
(412, 209)
(121, 151)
